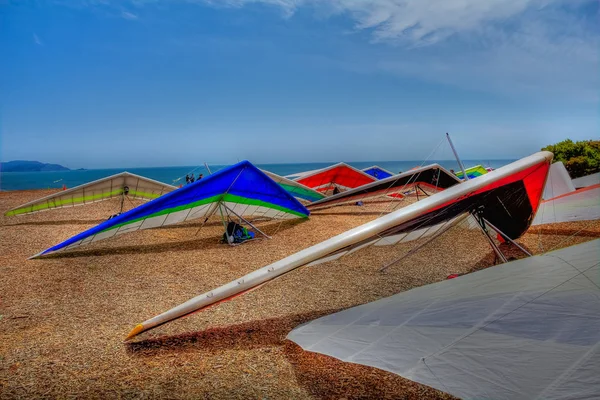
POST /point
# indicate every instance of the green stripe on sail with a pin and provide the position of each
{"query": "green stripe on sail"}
(473, 171)
(54, 203)
(227, 197)
(296, 190)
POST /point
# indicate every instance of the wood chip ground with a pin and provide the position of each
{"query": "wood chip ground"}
(63, 318)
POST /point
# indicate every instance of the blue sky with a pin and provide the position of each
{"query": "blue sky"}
(154, 83)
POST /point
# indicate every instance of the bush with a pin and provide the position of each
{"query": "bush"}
(580, 158)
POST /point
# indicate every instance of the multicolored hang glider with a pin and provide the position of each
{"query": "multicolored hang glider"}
(473, 172)
(431, 177)
(123, 184)
(241, 189)
(507, 197)
(294, 188)
(378, 172)
(339, 176)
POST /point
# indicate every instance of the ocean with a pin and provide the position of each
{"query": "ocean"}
(176, 175)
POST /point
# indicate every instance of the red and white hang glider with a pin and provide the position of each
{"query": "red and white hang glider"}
(341, 176)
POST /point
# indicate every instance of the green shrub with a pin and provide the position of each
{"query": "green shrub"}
(580, 158)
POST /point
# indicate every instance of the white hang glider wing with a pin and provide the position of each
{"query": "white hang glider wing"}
(558, 183)
(528, 329)
(580, 205)
(123, 184)
(586, 181)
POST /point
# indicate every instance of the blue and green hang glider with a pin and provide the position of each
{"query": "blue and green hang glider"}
(242, 189)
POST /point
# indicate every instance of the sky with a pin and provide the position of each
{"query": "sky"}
(141, 83)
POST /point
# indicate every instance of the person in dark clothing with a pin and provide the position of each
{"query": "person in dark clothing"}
(200, 176)
(187, 179)
(192, 179)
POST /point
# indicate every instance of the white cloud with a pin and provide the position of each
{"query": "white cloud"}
(511, 46)
(128, 15)
(37, 40)
(418, 21)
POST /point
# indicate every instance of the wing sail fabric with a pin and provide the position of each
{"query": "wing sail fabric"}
(341, 176)
(558, 183)
(378, 172)
(580, 205)
(242, 187)
(134, 186)
(473, 172)
(507, 197)
(294, 188)
(528, 329)
(432, 177)
(586, 181)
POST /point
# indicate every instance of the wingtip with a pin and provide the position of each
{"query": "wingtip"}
(139, 328)
(36, 255)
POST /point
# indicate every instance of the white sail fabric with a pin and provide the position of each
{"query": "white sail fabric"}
(558, 183)
(529, 329)
(294, 188)
(125, 183)
(586, 181)
(581, 205)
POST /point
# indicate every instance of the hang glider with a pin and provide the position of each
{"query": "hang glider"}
(528, 329)
(241, 189)
(580, 205)
(377, 172)
(294, 188)
(299, 174)
(507, 197)
(473, 172)
(586, 181)
(432, 178)
(558, 183)
(338, 177)
(123, 184)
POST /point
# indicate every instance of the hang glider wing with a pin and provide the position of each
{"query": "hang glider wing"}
(473, 172)
(586, 181)
(378, 172)
(341, 176)
(125, 183)
(580, 205)
(294, 188)
(528, 329)
(558, 183)
(241, 188)
(431, 177)
(303, 173)
(507, 197)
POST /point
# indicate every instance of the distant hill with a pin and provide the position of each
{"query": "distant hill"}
(30, 166)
